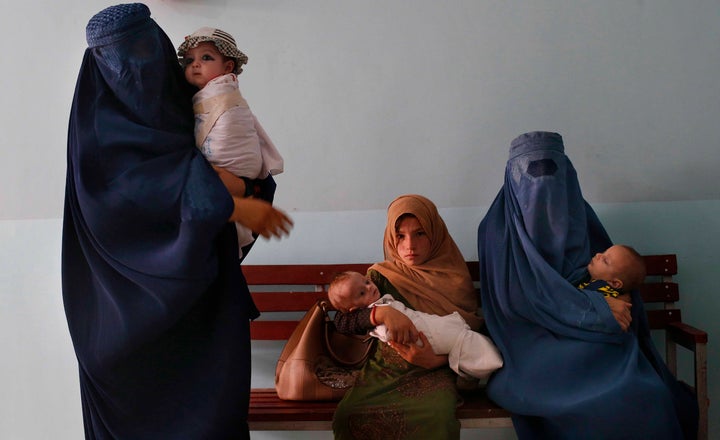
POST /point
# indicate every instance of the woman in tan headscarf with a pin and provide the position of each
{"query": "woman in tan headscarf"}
(405, 390)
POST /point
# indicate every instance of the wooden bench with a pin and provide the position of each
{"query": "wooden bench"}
(295, 288)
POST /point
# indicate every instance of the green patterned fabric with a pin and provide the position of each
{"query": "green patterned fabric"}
(393, 399)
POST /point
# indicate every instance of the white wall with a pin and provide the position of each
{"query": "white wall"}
(397, 96)
(371, 99)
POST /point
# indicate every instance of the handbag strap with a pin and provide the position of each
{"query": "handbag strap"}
(330, 327)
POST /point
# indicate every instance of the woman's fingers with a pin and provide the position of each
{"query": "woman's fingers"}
(260, 217)
(421, 354)
(276, 224)
(621, 311)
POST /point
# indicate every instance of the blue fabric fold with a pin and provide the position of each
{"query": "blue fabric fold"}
(156, 303)
(570, 371)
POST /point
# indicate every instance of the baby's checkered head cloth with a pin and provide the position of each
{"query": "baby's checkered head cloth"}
(222, 40)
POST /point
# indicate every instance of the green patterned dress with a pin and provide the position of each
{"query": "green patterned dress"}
(393, 399)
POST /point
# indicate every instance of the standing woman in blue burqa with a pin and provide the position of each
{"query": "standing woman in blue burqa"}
(156, 303)
(571, 371)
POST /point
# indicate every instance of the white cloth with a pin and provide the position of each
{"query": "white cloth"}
(228, 133)
(230, 136)
(470, 354)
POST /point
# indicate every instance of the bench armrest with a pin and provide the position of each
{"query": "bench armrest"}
(686, 335)
(694, 340)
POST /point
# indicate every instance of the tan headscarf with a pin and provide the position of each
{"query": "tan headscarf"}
(442, 284)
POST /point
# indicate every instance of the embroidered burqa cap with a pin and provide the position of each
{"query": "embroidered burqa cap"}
(116, 22)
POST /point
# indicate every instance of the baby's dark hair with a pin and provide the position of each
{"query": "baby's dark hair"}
(338, 278)
(634, 274)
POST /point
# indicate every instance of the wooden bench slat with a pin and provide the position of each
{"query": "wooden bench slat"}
(297, 274)
(265, 406)
(286, 301)
(656, 265)
(660, 292)
(301, 301)
(272, 330)
(661, 265)
(659, 319)
(281, 330)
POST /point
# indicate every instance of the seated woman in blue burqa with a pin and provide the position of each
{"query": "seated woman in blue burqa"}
(572, 370)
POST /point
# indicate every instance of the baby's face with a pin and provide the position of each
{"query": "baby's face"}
(609, 264)
(356, 292)
(204, 63)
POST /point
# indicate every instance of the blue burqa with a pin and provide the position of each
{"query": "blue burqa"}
(156, 304)
(570, 371)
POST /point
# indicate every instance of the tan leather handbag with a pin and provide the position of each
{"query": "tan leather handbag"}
(318, 362)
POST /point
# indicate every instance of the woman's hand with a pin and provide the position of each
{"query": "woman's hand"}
(260, 217)
(621, 311)
(421, 356)
(234, 184)
(399, 327)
